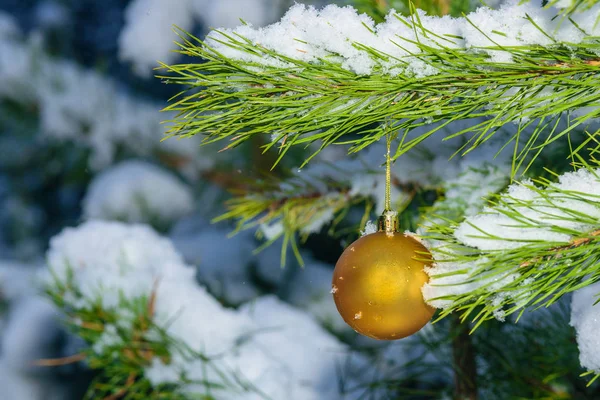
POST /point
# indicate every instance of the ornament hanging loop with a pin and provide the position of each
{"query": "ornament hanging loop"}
(388, 221)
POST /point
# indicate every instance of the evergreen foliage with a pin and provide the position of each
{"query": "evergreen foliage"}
(540, 99)
(512, 239)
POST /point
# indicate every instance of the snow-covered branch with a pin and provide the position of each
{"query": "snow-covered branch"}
(325, 75)
(527, 248)
(154, 331)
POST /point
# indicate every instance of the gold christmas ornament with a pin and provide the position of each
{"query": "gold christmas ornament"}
(377, 281)
(377, 285)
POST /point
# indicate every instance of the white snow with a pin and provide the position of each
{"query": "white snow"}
(585, 318)
(465, 195)
(323, 214)
(109, 338)
(17, 280)
(280, 350)
(16, 385)
(309, 35)
(549, 216)
(113, 258)
(147, 36)
(159, 373)
(34, 323)
(370, 227)
(137, 191)
(272, 230)
(507, 27)
(469, 190)
(298, 346)
(30, 330)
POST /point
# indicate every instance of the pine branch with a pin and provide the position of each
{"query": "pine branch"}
(308, 200)
(527, 249)
(249, 89)
(123, 342)
(289, 215)
(530, 247)
(54, 362)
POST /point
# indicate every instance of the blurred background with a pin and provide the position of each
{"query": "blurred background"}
(80, 140)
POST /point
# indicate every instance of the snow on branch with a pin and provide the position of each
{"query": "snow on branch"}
(310, 35)
(585, 318)
(324, 75)
(570, 7)
(527, 248)
(153, 331)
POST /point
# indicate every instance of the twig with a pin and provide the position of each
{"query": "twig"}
(123, 391)
(573, 244)
(56, 362)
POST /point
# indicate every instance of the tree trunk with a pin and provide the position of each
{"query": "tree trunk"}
(463, 352)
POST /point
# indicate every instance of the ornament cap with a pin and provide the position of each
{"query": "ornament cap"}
(388, 222)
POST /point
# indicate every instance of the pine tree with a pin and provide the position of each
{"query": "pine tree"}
(492, 120)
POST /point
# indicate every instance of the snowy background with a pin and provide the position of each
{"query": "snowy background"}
(88, 190)
(86, 182)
